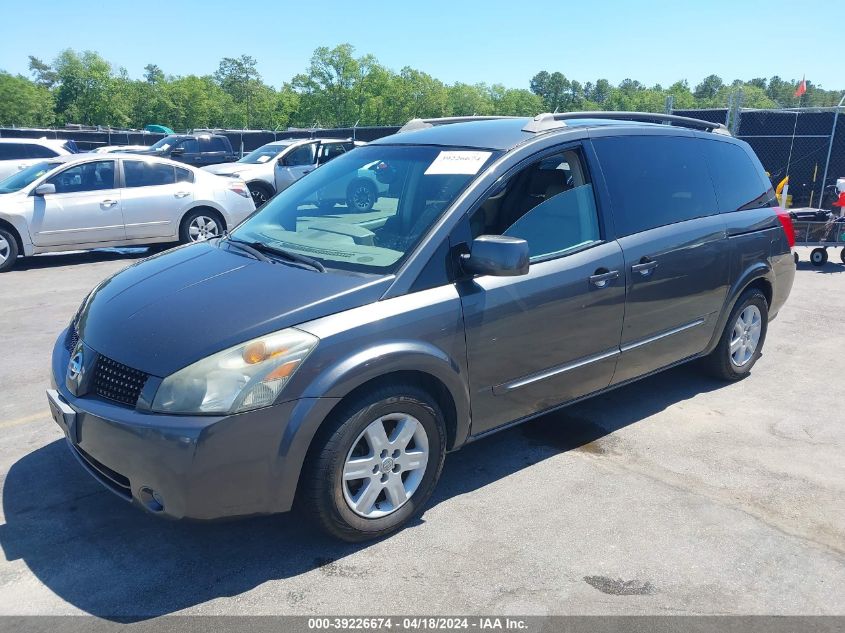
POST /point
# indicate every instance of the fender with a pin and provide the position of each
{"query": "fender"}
(347, 374)
(22, 228)
(758, 270)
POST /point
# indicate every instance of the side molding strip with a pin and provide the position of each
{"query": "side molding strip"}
(657, 337)
(554, 371)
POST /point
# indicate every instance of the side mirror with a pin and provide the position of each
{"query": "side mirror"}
(177, 151)
(497, 255)
(45, 189)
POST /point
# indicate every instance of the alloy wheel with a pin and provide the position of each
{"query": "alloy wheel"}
(385, 465)
(362, 197)
(5, 249)
(745, 336)
(202, 228)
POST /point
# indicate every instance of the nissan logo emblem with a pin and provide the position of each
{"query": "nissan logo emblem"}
(74, 367)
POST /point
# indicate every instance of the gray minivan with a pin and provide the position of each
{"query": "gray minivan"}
(332, 356)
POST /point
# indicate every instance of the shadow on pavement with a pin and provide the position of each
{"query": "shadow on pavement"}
(833, 265)
(109, 559)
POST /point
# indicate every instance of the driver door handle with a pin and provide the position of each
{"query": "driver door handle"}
(108, 203)
(182, 194)
(603, 277)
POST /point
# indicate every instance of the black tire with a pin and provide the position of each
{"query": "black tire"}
(818, 256)
(321, 491)
(193, 214)
(260, 193)
(842, 254)
(8, 250)
(361, 196)
(719, 362)
(796, 259)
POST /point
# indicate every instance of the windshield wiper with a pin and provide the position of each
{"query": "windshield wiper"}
(248, 248)
(291, 256)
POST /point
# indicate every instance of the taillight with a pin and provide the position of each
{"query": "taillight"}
(239, 188)
(786, 223)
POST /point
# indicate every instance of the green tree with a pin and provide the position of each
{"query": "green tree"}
(23, 102)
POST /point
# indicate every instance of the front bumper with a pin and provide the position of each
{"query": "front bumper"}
(200, 467)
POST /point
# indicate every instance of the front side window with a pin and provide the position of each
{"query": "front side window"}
(300, 156)
(655, 180)
(550, 204)
(25, 177)
(189, 146)
(164, 144)
(137, 173)
(85, 177)
(367, 209)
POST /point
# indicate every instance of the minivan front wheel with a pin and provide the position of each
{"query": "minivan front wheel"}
(376, 464)
(741, 344)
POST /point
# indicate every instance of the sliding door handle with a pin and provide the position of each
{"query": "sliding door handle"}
(603, 277)
(645, 267)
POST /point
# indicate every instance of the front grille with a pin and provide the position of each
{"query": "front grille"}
(72, 338)
(117, 382)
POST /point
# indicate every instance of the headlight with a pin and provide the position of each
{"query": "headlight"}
(244, 377)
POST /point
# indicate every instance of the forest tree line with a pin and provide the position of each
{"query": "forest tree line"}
(338, 88)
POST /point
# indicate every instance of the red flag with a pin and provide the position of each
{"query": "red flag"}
(802, 87)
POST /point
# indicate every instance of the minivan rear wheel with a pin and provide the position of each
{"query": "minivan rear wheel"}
(741, 344)
(372, 469)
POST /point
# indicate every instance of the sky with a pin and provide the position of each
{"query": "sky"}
(495, 41)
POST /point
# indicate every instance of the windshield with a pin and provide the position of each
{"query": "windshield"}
(264, 154)
(164, 144)
(24, 177)
(367, 209)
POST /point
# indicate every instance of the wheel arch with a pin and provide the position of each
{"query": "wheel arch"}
(758, 276)
(5, 224)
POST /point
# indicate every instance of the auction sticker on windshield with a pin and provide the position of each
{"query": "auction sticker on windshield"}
(457, 162)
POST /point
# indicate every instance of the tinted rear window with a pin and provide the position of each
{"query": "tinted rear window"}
(739, 183)
(39, 151)
(655, 180)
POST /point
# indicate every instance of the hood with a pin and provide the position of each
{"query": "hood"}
(226, 169)
(173, 309)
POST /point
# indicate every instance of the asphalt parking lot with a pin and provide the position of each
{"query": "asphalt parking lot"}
(676, 495)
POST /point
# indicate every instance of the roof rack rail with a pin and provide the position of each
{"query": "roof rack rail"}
(550, 121)
(420, 124)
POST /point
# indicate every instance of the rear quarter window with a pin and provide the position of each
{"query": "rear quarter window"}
(655, 180)
(740, 182)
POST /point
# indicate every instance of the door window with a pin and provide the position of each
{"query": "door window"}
(550, 204)
(138, 173)
(85, 177)
(189, 146)
(34, 150)
(329, 151)
(301, 156)
(12, 151)
(218, 144)
(655, 180)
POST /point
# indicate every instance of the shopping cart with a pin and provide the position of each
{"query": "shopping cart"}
(821, 235)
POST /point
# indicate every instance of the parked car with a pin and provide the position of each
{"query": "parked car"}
(515, 266)
(116, 149)
(19, 153)
(257, 167)
(306, 155)
(193, 149)
(93, 201)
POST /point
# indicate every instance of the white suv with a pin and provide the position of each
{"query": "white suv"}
(19, 153)
(100, 200)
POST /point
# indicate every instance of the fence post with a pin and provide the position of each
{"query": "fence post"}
(670, 103)
(830, 147)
